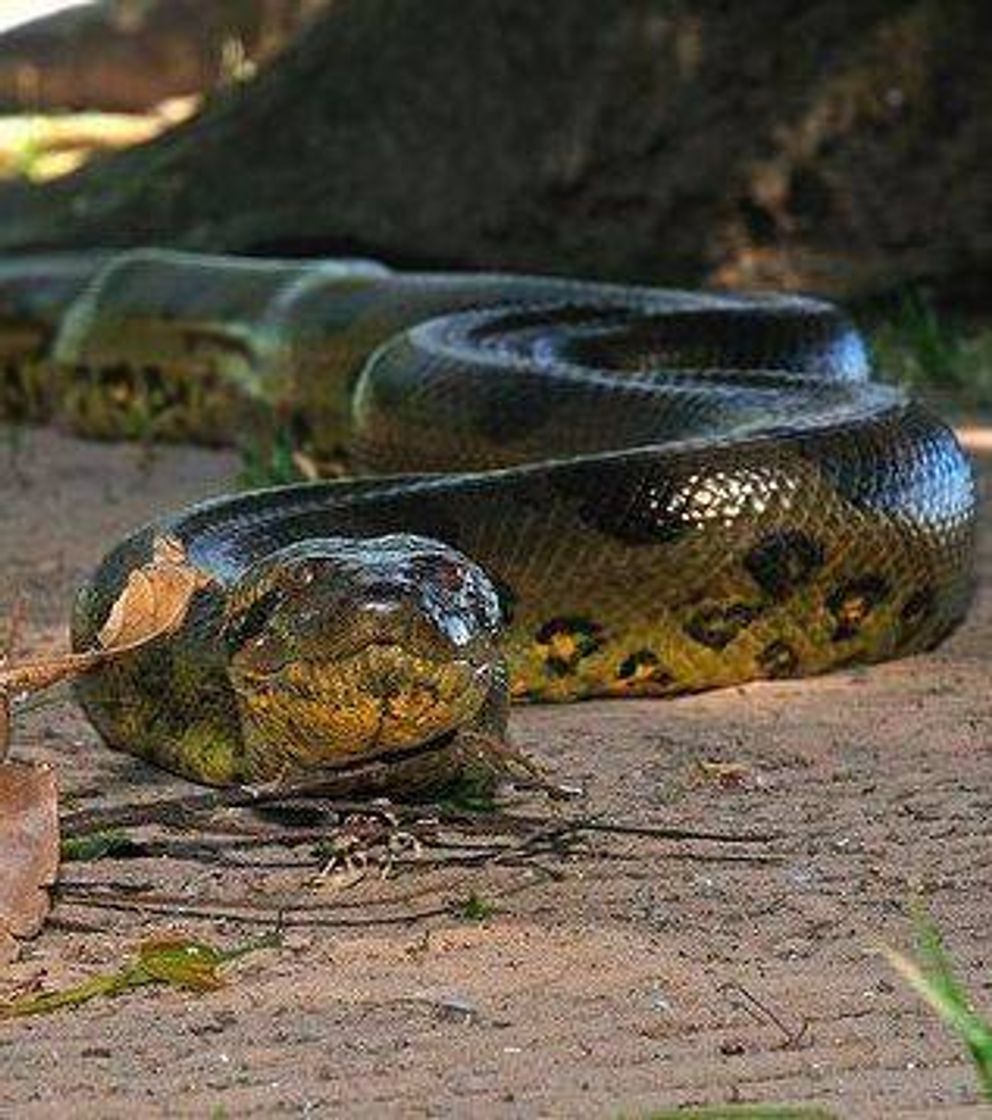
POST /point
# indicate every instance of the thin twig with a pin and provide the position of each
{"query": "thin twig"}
(170, 810)
(295, 914)
(751, 1003)
(177, 908)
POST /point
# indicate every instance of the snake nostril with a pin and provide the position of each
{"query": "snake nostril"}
(384, 609)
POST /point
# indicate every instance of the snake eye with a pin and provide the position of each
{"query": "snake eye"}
(249, 626)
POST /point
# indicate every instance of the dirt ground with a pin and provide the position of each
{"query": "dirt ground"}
(610, 978)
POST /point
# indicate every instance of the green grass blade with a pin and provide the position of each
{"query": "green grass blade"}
(933, 979)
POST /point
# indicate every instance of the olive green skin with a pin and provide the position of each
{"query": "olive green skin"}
(670, 491)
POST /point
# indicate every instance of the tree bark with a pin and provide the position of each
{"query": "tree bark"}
(129, 55)
(835, 147)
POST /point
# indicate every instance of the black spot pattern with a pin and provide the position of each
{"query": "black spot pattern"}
(778, 659)
(626, 502)
(918, 607)
(852, 603)
(717, 625)
(508, 599)
(568, 641)
(643, 665)
(783, 561)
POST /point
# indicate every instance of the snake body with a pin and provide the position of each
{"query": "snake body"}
(660, 491)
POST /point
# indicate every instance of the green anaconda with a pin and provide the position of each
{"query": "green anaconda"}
(587, 490)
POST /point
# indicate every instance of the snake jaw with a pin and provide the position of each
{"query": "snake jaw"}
(380, 702)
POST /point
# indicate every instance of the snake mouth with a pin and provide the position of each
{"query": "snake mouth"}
(302, 676)
(373, 704)
(437, 746)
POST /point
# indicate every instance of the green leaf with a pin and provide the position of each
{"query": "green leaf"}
(475, 909)
(175, 961)
(96, 845)
(182, 963)
(108, 985)
(470, 793)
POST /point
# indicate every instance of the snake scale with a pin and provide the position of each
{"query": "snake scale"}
(564, 490)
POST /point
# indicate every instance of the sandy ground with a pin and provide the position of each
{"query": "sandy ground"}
(610, 979)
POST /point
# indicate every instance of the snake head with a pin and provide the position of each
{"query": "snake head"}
(343, 650)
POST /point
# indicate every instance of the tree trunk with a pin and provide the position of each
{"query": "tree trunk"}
(837, 147)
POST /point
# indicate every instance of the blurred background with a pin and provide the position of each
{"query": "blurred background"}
(833, 147)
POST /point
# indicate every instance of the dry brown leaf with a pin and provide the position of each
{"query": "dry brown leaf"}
(29, 843)
(155, 598)
(26, 677)
(307, 465)
(153, 603)
(728, 775)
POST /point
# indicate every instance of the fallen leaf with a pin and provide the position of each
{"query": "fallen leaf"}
(727, 775)
(29, 841)
(182, 963)
(153, 603)
(155, 598)
(175, 961)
